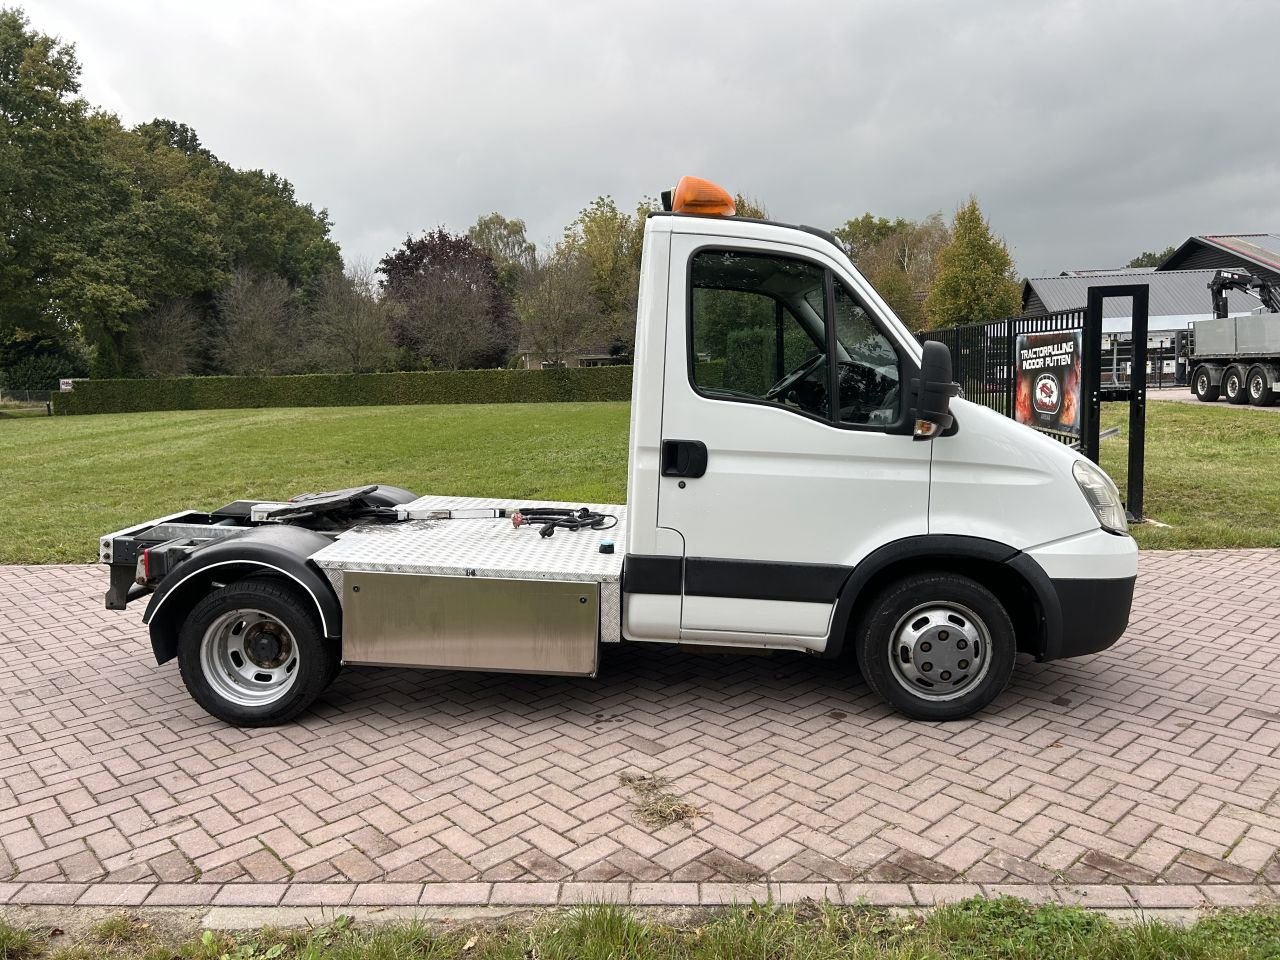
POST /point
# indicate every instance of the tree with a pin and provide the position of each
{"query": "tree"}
(257, 314)
(860, 235)
(38, 361)
(557, 312)
(350, 326)
(1145, 259)
(976, 280)
(104, 228)
(60, 269)
(875, 244)
(611, 241)
(511, 251)
(169, 337)
(268, 230)
(162, 132)
(895, 287)
(454, 313)
(750, 207)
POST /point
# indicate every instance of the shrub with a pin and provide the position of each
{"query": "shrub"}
(342, 390)
(37, 362)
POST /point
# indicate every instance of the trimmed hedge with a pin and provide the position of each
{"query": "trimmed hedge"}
(344, 390)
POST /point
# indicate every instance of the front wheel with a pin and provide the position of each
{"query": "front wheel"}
(253, 653)
(937, 646)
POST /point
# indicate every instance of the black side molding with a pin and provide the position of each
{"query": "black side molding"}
(737, 579)
(764, 580)
(652, 574)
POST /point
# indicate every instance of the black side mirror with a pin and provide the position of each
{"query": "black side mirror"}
(934, 391)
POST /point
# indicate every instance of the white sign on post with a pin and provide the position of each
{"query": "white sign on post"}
(66, 386)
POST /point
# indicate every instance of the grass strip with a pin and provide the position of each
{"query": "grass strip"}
(977, 929)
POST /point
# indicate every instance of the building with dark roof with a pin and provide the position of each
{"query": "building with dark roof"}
(1177, 297)
(1257, 253)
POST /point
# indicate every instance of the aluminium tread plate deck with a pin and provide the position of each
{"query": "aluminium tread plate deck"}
(481, 548)
(490, 548)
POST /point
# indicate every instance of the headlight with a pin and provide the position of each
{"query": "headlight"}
(1102, 496)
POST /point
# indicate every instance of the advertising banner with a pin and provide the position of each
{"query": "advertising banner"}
(1047, 381)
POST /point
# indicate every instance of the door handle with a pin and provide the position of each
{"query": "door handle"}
(684, 458)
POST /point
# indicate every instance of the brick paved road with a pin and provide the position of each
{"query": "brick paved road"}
(1157, 762)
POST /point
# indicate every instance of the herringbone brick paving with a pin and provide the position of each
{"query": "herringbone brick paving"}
(1155, 762)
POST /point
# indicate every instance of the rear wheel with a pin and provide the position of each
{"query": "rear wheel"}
(253, 654)
(1233, 386)
(1259, 387)
(1203, 387)
(937, 646)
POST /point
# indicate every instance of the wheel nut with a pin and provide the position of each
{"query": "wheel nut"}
(961, 644)
(926, 666)
(946, 674)
(963, 664)
(943, 634)
(926, 647)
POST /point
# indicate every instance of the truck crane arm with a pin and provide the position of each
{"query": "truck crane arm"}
(1225, 280)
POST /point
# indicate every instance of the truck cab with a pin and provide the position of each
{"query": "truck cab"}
(800, 478)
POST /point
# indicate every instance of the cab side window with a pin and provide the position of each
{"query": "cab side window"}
(754, 332)
(869, 375)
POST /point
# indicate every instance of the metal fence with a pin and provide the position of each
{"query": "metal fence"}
(982, 353)
(26, 396)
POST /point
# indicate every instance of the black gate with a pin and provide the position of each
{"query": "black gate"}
(983, 363)
(982, 354)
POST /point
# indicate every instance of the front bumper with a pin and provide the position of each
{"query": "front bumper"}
(1084, 588)
(1094, 614)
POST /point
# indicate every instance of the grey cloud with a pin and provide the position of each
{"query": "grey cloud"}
(1089, 130)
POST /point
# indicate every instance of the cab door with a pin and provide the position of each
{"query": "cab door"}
(787, 453)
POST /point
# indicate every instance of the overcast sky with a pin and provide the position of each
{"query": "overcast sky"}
(1089, 130)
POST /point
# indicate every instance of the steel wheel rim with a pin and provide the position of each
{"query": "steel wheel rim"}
(1233, 385)
(1256, 385)
(1202, 384)
(928, 646)
(249, 658)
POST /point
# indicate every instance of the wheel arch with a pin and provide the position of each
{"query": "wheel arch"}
(1016, 579)
(276, 551)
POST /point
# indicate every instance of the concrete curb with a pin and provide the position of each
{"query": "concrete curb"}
(311, 897)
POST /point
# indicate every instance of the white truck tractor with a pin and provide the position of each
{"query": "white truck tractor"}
(800, 479)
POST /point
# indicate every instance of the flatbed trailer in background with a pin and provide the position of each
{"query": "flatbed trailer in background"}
(1238, 357)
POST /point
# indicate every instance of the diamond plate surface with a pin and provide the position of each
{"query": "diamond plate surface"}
(488, 548)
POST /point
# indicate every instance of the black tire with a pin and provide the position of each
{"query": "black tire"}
(951, 605)
(1203, 387)
(1258, 387)
(1233, 387)
(285, 630)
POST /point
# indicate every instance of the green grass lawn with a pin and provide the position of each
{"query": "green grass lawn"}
(64, 481)
(1213, 474)
(1002, 929)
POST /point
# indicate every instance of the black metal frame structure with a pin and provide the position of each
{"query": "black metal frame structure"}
(982, 356)
(1140, 294)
